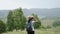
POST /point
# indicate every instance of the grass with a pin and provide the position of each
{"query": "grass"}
(36, 32)
(41, 31)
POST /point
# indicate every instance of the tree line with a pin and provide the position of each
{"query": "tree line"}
(16, 20)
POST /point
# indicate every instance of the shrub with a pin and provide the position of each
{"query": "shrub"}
(48, 27)
(56, 23)
(2, 26)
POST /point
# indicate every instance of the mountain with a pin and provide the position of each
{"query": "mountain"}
(55, 12)
(3, 14)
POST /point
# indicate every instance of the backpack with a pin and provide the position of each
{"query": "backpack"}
(28, 27)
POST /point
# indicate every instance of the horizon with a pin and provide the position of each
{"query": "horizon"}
(30, 8)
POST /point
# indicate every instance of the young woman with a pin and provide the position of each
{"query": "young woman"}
(31, 20)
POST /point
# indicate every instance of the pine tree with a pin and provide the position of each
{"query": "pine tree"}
(19, 19)
(10, 21)
(16, 20)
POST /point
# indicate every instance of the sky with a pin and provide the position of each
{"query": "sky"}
(13, 4)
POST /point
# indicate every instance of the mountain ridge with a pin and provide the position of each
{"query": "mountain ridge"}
(55, 12)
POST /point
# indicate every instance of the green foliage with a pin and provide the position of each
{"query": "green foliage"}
(19, 19)
(16, 20)
(10, 21)
(23, 22)
(48, 27)
(2, 26)
(42, 27)
(37, 25)
(56, 23)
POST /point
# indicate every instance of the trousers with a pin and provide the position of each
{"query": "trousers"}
(30, 32)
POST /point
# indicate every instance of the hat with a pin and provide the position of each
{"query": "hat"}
(30, 16)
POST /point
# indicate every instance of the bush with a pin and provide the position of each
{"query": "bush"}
(42, 27)
(48, 27)
(2, 27)
(56, 23)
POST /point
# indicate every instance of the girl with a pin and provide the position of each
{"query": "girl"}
(30, 22)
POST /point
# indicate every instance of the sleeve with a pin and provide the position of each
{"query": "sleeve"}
(33, 21)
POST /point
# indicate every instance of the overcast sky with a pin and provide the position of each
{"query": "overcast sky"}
(13, 4)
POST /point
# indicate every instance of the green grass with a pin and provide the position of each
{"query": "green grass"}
(47, 22)
(41, 31)
(36, 32)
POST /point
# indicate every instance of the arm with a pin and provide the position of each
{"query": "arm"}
(36, 20)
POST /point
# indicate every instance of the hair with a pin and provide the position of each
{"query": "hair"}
(30, 20)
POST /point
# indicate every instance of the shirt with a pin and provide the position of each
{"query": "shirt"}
(32, 24)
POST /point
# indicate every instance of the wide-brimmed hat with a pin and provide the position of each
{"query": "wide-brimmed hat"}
(30, 17)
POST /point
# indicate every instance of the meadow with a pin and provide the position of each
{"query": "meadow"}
(40, 31)
(36, 32)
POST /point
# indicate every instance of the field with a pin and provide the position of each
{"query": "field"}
(41, 31)
(47, 22)
(36, 32)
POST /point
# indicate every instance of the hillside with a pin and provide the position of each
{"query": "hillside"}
(55, 12)
(43, 12)
(3, 14)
